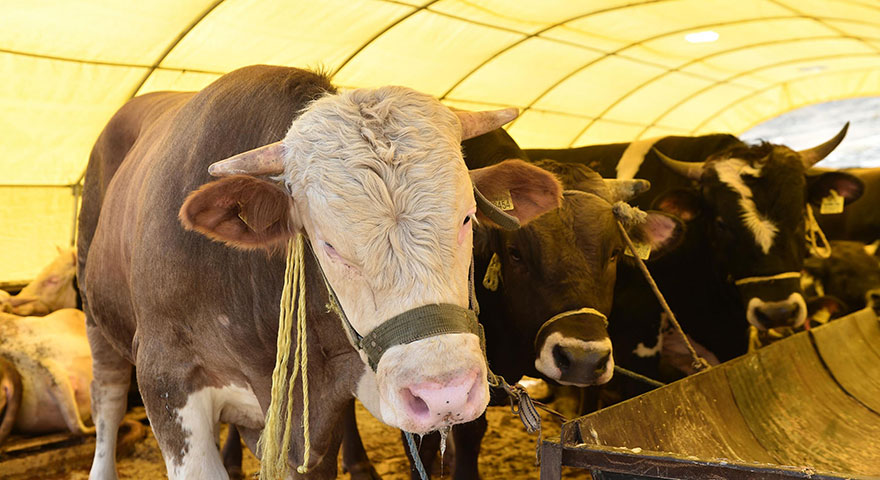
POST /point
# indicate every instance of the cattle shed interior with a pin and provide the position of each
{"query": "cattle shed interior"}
(580, 72)
(741, 245)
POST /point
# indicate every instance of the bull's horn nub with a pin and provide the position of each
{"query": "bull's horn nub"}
(474, 124)
(265, 160)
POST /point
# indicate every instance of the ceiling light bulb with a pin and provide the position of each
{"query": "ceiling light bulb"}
(702, 37)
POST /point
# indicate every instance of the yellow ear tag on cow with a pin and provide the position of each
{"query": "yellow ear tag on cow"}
(833, 203)
(643, 250)
(505, 203)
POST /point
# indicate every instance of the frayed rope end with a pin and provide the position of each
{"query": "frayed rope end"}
(628, 215)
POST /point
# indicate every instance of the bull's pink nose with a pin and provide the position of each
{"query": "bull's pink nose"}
(455, 401)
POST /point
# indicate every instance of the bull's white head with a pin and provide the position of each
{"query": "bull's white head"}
(376, 180)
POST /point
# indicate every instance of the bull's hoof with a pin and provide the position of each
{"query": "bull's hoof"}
(362, 471)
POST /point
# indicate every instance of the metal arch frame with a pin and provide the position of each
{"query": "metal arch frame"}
(655, 37)
(174, 43)
(379, 34)
(538, 33)
(99, 62)
(741, 74)
(693, 61)
(152, 68)
(766, 89)
(821, 21)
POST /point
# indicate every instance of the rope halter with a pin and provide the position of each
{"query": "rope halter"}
(767, 278)
(570, 313)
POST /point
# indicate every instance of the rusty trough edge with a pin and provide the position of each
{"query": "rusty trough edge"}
(650, 464)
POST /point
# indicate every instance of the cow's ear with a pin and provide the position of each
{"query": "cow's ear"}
(662, 231)
(845, 184)
(518, 188)
(683, 203)
(241, 211)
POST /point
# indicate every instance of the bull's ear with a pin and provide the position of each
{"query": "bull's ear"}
(662, 231)
(518, 188)
(683, 203)
(241, 211)
(845, 184)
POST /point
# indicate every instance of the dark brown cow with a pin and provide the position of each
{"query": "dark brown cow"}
(374, 179)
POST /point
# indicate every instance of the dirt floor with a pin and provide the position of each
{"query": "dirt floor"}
(508, 452)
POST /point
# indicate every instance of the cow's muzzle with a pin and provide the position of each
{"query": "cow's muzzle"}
(773, 301)
(790, 312)
(573, 348)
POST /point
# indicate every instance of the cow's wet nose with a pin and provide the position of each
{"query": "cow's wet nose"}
(437, 404)
(583, 366)
(778, 314)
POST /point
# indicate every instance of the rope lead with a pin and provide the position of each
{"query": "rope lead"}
(274, 459)
(814, 231)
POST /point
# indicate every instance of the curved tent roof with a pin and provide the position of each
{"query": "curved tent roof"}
(582, 72)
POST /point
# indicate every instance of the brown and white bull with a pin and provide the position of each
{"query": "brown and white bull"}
(373, 177)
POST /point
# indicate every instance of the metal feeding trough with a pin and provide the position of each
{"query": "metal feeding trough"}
(807, 406)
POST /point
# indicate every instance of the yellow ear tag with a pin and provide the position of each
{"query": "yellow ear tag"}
(833, 203)
(643, 250)
(822, 316)
(505, 203)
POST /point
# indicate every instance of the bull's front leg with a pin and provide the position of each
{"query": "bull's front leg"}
(187, 432)
(183, 411)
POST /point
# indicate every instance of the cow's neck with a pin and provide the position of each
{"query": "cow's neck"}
(508, 350)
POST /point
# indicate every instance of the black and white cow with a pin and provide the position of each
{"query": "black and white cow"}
(745, 208)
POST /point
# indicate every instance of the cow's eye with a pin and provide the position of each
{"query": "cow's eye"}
(467, 220)
(514, 254)
(616, 254)
(331, 252)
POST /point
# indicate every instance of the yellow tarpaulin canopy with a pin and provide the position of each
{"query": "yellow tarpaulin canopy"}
(582, 71)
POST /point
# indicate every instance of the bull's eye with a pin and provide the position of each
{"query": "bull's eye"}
(331, 252)
(616, 254)
(514, 254)
(466, 226)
